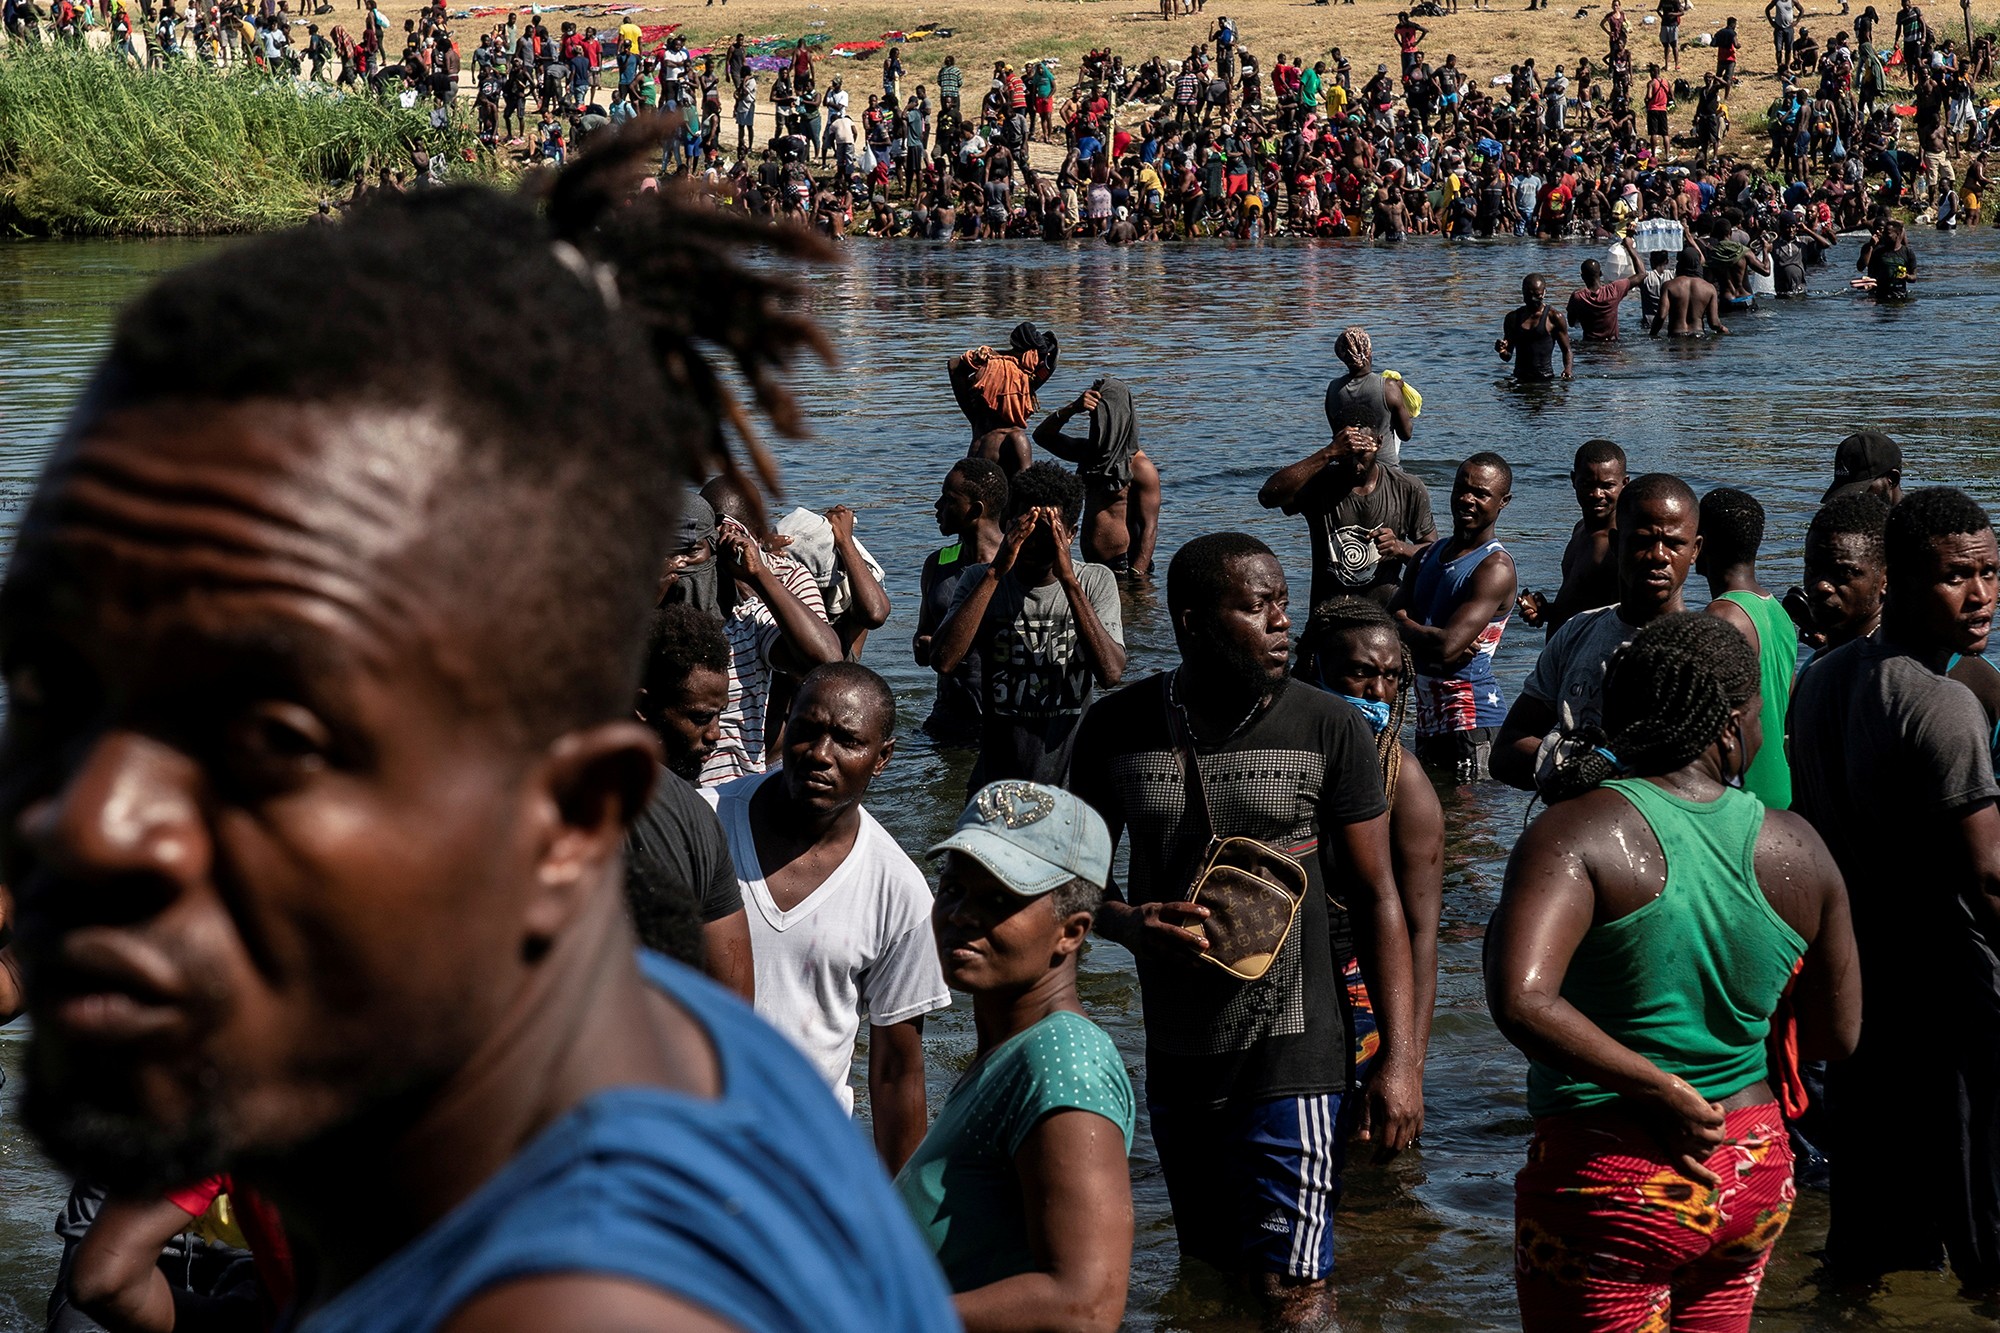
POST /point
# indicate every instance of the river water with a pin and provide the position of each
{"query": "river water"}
(1228, 349)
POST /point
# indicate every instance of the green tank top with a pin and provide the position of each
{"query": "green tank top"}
(1770, 775)
(1690, 979)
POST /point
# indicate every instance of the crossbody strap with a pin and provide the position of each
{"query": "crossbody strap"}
(1195, 791)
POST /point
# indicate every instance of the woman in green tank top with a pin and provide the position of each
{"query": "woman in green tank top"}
(1650, 924)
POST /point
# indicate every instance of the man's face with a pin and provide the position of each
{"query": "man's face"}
(670, 569)
(1364, 664)
(1356, 447)
(990, 938)
(1844, 583)
(1597, 487)
(1948, 603)
(955, 506)
(1478, 494)
(689, 720)
(835, 743)
(267, 844)
(1039, 551)
(1249, 628)
(1533, 293)
(1656, 547)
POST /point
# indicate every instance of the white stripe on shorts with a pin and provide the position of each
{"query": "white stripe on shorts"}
(1315, 1178)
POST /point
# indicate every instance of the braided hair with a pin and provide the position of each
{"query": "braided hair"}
(1340, 616)
(1667, 695)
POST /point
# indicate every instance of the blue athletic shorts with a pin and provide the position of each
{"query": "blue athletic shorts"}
(1254, 1187)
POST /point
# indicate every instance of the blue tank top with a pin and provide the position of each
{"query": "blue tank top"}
(764, 1205)
(1470, 697)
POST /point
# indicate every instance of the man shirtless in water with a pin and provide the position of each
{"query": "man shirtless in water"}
(1121, 521)
(1000, 433)
(1686, 304)
(1532, 331)
(1590, 574)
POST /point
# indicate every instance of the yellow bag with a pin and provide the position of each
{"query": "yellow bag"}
(1410, 394)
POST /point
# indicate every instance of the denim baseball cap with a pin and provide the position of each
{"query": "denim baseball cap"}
(1034, 839)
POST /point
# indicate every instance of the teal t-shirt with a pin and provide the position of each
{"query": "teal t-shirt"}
(960, 1186)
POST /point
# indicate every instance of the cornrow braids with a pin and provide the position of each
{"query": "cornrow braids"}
(1667, 696)
(565, 340)
(1336, 618)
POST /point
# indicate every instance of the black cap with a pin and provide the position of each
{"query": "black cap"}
(1862, 458)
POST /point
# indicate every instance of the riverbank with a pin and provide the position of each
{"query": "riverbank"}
(91, 146)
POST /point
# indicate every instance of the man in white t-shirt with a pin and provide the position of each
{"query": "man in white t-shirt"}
(673, 74)
(839, 914)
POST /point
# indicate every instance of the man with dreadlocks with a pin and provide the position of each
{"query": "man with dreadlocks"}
(1650, 922)
(1891, 763)
(1658, 539)
(321, 656)
(1351, 648)
(1246, 1078)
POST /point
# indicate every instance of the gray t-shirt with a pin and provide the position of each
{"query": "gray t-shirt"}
(1366, 398)
(1342, 522)
(1888, 757)
(1032, 670)
(1569, 675)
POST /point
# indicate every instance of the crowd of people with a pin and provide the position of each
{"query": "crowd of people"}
(1227, 142)
(1221, 141)
(389, 752)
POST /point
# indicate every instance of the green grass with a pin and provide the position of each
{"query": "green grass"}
(91, 146)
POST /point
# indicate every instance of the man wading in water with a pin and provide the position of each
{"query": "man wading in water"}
(995, 388)
(1121, 487)
(322, 636)
(1532, 332)
(1589, 562)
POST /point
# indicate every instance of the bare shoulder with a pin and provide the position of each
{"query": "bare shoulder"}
(1597, 829)
(1731, 614)
(1794, 869)
(1790, 845)
(1418, 811)
(575, 1300)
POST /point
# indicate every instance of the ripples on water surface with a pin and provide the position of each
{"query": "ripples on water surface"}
(1228, 351)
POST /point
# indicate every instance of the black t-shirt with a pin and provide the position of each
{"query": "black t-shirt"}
(1888, 757)
(677, 866)
(1306, 767)
(957, 715)
(1345, 560)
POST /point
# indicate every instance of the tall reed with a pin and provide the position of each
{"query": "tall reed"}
(91, 146)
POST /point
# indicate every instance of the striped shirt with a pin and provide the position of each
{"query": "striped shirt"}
(950, 79)
(753, 633)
